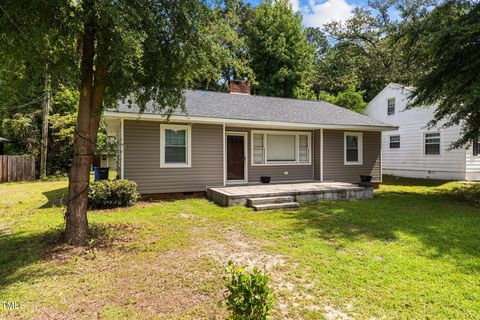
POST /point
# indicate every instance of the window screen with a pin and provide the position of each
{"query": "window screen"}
(303, 152)
(258, 148)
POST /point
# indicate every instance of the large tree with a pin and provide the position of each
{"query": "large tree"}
(228, 51)
(447, 46)
(373, 41)
(141, 51)
(281, 56)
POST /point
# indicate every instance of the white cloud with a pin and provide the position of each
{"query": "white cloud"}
(316, 14)
(295, 5)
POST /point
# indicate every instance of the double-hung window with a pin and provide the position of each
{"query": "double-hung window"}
(353, 144)
(175, 146)
(395, 142)
(391, 106)
(275, 147)
(432, 143)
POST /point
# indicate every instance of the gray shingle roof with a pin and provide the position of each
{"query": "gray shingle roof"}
(247, 107)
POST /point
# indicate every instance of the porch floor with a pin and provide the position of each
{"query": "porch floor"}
(307, 191)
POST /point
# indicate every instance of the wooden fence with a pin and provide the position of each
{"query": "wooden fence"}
(17, 168)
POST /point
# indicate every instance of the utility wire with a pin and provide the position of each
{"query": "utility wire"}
(11, 108)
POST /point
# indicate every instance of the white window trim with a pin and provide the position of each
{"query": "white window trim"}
(245, 151)
(394, 106)
(359, 135)
(297, 147)
(188, 129)
(425, 144)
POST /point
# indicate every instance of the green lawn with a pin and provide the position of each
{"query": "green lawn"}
(410, 253)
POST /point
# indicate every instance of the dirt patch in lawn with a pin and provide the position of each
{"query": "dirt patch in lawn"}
(113, 277)
(109, 278)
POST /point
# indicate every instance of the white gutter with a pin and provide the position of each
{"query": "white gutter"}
(238, 122)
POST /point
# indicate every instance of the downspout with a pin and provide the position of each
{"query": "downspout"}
(122, 149)
(321, 154)
(224, 159)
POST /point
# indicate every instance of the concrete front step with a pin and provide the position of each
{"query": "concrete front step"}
(271, 206)
(267, 200)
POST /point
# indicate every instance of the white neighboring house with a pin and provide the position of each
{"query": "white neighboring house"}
(414, 150)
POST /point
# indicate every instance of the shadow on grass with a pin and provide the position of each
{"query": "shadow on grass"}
(55, 198)
(445, 228)
(412, 182)
(20, 250)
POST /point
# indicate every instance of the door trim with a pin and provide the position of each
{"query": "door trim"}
(245, 163)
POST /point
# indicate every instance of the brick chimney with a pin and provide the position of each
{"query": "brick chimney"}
(238, 86)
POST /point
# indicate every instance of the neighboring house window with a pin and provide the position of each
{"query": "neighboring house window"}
(432, 143)
(175, 146)
(353, 148)
(391, 106)
(394, 142)
(476, 146)
(271, 147)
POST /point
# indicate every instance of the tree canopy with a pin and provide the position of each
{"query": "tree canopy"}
(281, 56)
(448, 47)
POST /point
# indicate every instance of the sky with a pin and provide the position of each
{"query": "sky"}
(316, 13)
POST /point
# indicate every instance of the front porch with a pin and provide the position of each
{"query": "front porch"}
(286, 195)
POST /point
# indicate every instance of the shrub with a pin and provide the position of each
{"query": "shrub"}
(468, 193)
(249, 296)
(112, 193)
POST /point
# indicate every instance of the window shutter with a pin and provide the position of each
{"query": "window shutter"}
(475, 147)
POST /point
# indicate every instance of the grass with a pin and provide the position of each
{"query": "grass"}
(409, 253)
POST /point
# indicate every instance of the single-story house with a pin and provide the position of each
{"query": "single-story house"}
(236, 138)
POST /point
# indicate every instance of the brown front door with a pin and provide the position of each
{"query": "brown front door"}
(235, 157)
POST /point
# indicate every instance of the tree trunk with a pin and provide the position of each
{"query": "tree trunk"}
(76, 215)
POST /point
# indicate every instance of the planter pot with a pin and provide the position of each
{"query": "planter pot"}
(365, 178)
(265, 179)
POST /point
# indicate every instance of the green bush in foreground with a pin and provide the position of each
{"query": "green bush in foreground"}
(468, 193)
(105, 194)
(249, 296)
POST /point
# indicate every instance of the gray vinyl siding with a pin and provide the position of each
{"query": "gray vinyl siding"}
(277, 173)
(316, 154)
(142, 159)
(333, 157)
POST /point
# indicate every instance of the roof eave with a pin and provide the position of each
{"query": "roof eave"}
(241, 122)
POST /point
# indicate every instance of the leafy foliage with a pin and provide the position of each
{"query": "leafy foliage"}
(369, 49)
(60, 144)
(22, 131)
(112, 193)
(448, 46)
(348, 99)
(249, 296)
(281, 55)
(227, 55)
